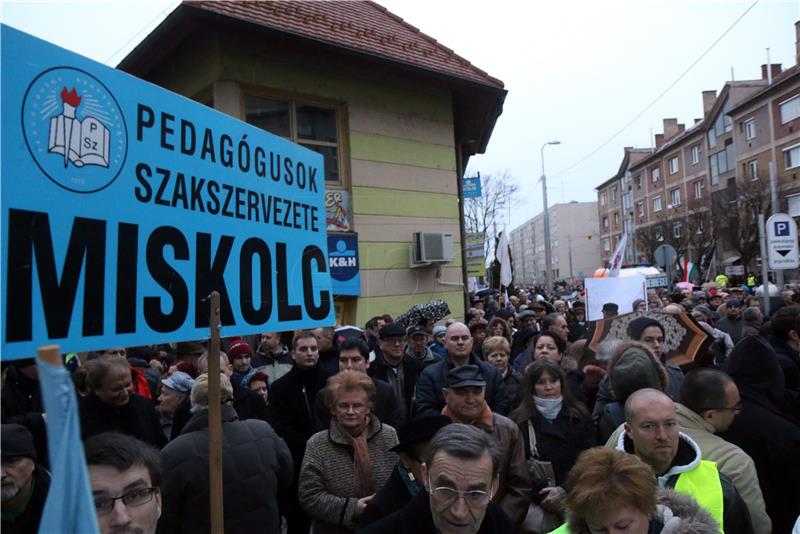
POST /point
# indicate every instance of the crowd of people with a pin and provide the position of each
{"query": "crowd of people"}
(503, 422)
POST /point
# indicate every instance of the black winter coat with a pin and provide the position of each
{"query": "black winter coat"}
(291, 402)
(764, 431)
(28, 521)
(393, 496)
(789, 360)
(429, 386)
(411, 370)
(248, 405)
(138, 418)
(416, 518)
(560, 442)
(256, 466)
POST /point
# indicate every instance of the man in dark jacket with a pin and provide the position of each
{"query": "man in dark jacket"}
(354, 356)
(256, 467)
(290, 409)
(392, 365)
(247, 404)
(433, 379)
(405, 482)
(111, 407)
(764, 430)
(461, 462)
(22, 403)
(732, 324)
(24, 482)
(785, 339)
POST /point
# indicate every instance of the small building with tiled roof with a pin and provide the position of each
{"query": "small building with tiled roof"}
(395, 114)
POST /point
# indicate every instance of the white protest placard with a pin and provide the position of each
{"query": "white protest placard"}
(621, 291)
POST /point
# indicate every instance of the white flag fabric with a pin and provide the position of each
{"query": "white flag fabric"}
(503, 256)
(616, 259)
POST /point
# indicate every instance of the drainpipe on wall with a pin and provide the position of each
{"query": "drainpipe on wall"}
(460, 186)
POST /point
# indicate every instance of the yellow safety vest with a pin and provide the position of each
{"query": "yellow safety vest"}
(702, 484)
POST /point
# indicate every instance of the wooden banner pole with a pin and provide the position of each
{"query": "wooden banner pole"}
(215, 420)
(50, 354)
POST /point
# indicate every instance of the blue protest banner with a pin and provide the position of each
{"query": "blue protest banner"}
(472, 187)
(124, 205)
(343, 263)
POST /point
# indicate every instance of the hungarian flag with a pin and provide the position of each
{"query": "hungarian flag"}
(688, 268)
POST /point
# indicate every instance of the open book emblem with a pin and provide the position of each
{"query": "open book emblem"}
(83, 142)
(74, 129)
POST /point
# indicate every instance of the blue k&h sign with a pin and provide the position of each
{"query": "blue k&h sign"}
(343, 264)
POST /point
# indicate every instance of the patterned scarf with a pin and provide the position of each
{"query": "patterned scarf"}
(363, 483)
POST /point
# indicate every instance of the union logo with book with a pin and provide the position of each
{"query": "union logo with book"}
(74, 129)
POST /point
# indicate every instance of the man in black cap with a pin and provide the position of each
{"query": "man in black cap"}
(610, 309)
(576, 319)
(466, 403)
(526, 320)
(405, 481)
(417, 346)
(24, 482)
(394, 366)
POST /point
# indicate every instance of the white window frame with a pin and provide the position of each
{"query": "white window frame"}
(789, 150)
(657, 204)
(659, 234)
(750, 130)
(793, 203)
(677, 230)
(795, 100)
(696, 154)
(673, 165)
(641, 209)
(603, 198)
(752, 169)
(655, 174)
(616, 218)
(606, 244)
(605, 221)
(698, 189)
(675, 195)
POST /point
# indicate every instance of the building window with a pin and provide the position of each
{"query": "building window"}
(752, 169)
(614, 196)
(673, 165)
(794, 205)
(638, 181)
(312, 126)
(616, 219)
(698, 189)
(791, 157)
(602, 199)
(641, 209)
(606, 244)
(675, 196)
(657, 204)
(790, 109)
(677, 229)
(659, 234)
(696, 154)
(750, 129)
(655, 173)
(605, 221)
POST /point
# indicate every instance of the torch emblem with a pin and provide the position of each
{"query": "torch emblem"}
(74, 129)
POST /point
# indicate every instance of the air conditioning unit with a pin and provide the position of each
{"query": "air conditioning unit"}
(431, 247)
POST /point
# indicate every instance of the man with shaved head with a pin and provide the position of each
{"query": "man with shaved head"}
(652, 434)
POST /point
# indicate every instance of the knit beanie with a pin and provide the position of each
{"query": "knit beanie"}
(635, 369)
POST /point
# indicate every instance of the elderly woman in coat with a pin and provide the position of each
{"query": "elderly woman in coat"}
(346, 464)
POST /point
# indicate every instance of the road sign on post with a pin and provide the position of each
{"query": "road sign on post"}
(782, 247)
(472, 187)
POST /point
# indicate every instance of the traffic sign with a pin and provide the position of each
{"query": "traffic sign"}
(782, 247)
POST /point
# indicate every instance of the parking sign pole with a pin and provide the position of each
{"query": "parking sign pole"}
(762, 239)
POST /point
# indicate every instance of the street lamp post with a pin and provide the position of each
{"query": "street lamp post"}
(548, 260)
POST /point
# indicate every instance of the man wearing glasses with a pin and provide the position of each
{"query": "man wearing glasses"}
(460, 478)
(652, 433)
(125, 475)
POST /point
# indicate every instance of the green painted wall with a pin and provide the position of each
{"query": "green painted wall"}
(374, 147)
(391, 255)
(377, 201)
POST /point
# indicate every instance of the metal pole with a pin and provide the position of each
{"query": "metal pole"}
(215, 421)
(773, 191)
(548, 260)
(762, 239)
(569, 240)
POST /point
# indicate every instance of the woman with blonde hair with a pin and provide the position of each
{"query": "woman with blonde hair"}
(615, 492)
(346, 464)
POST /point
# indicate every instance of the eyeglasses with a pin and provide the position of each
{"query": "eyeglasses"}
(736, 408)
(357, 408)
(137, 497)
(448, 496)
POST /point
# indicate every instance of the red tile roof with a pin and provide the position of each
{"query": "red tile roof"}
(359, 25)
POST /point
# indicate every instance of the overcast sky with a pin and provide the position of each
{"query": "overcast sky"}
(576, 71)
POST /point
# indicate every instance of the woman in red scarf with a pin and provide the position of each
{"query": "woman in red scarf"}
(345, 465)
